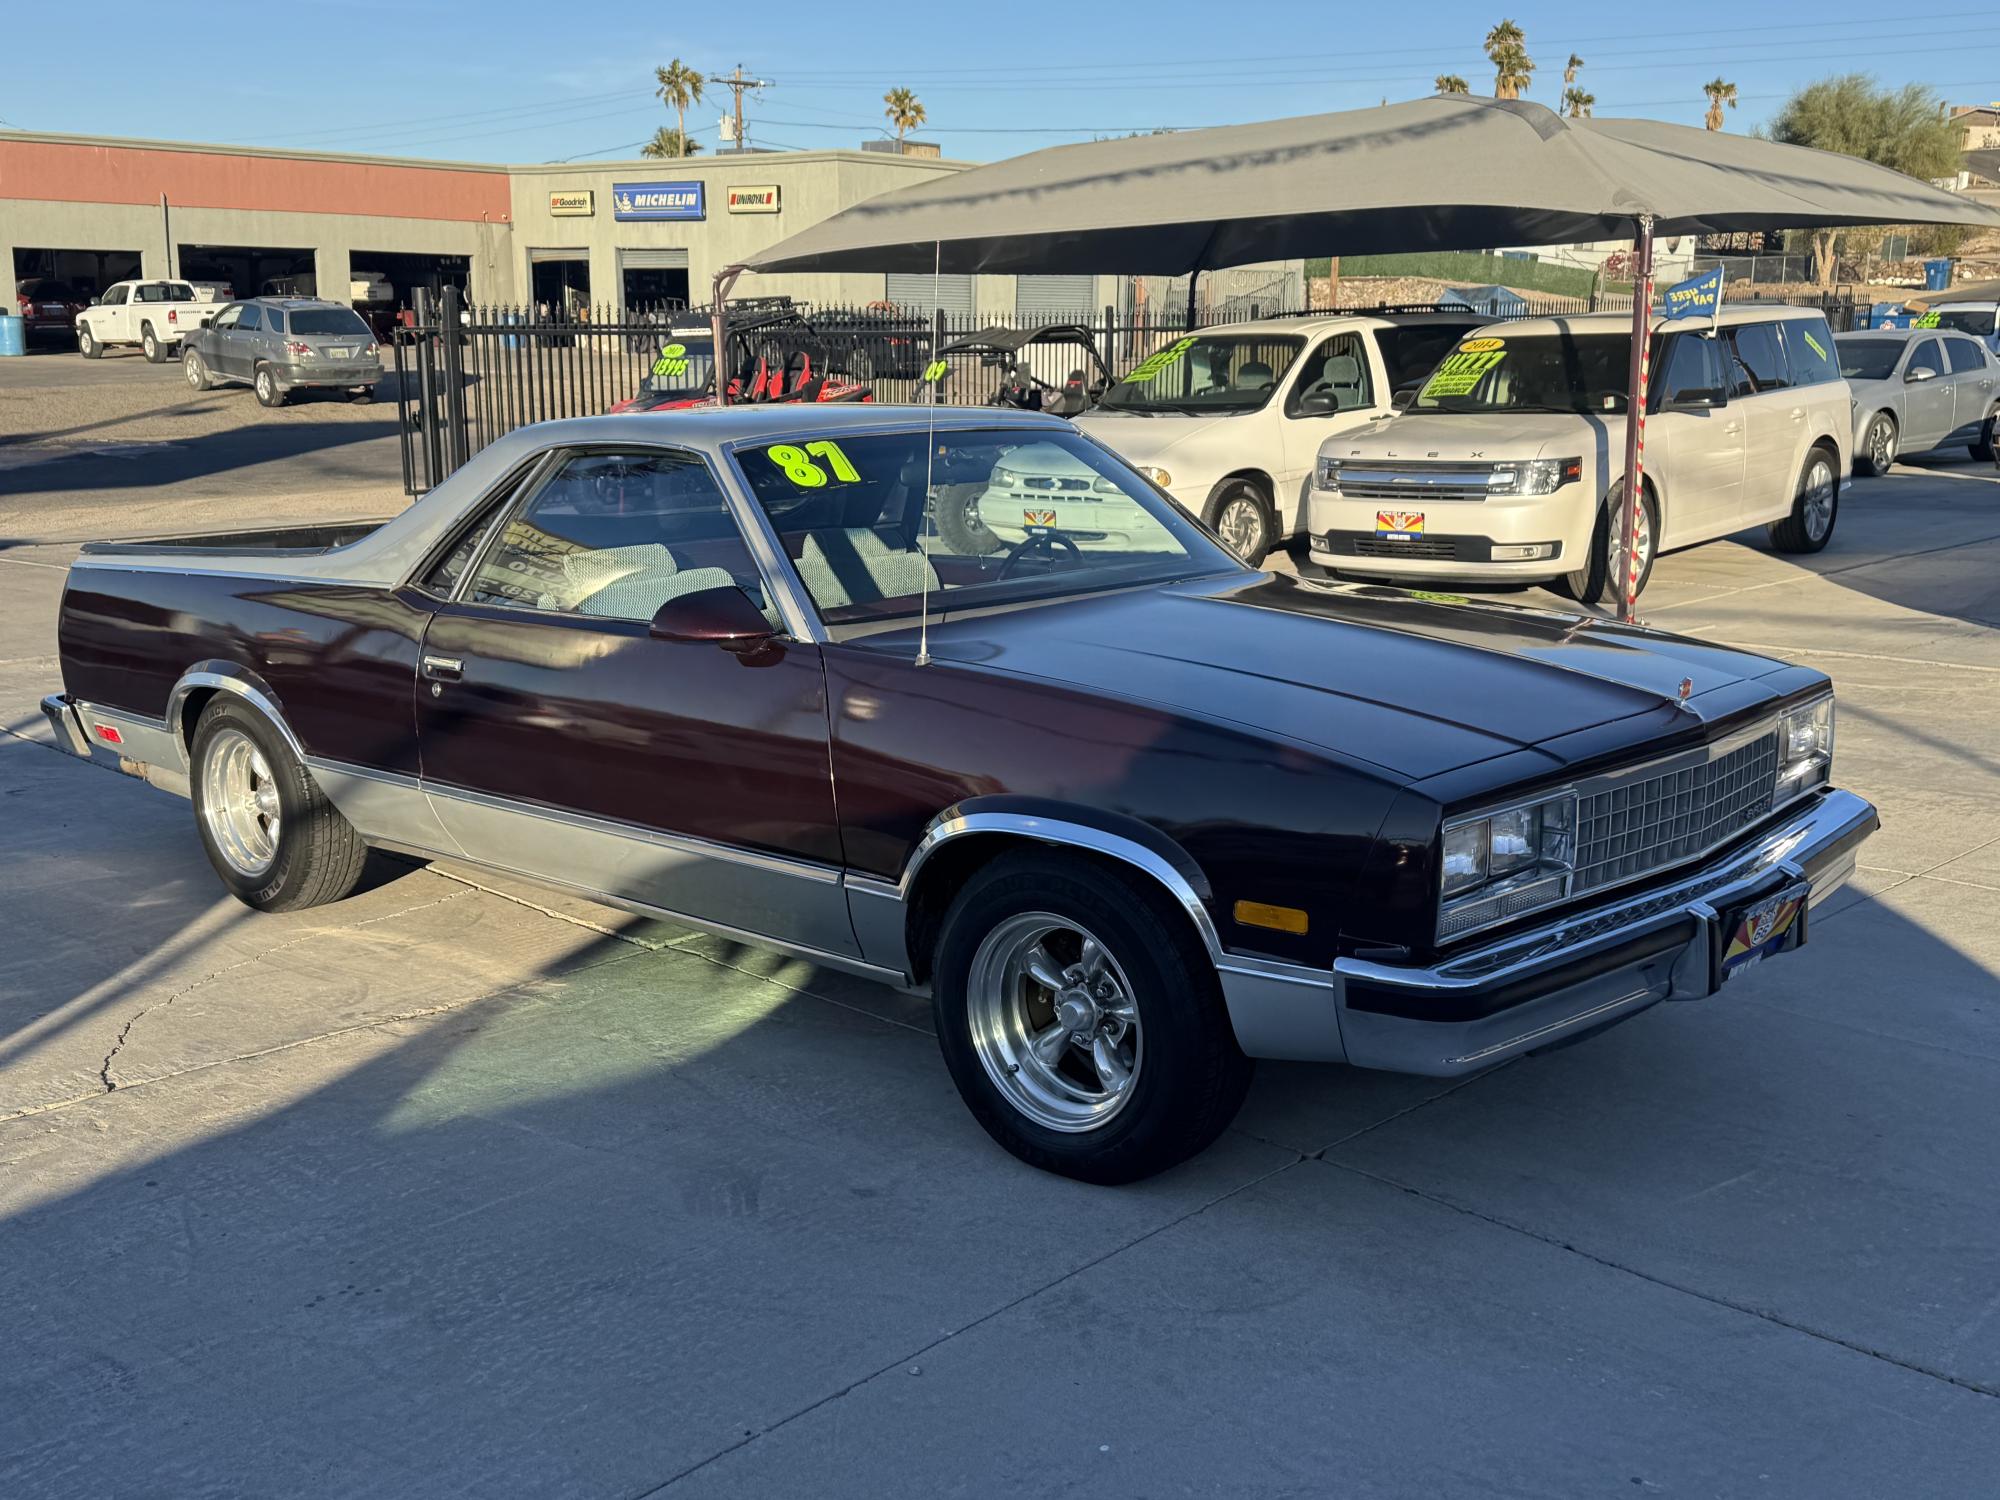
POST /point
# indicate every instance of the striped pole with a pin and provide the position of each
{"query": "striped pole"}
(1635, 416)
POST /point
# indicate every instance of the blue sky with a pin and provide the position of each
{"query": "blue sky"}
(527, 80)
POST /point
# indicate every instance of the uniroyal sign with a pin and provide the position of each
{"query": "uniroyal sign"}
(754, 200)
(578, 204)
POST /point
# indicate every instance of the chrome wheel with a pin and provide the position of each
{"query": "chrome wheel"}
(1881, 444)
(1817, 494)
(1240, 524)
(192, 369)
(1614, 550)
(266, 388)
(239, 803)
(1053, 1022)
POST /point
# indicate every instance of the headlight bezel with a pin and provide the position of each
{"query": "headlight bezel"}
(1326, 474)
(1537, 477)
(1523, 880)
(1806, 738)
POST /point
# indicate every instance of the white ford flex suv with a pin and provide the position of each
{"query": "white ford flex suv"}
(1506, 464)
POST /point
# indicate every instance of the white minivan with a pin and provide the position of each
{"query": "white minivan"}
(1506, 464)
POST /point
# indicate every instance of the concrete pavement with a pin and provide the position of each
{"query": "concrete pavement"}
(460, 1187)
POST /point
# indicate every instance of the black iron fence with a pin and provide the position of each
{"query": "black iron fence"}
(466, 375)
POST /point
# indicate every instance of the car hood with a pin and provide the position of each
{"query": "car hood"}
(1414, 683)
(1874, 392)
(1142, 440)
(1414, 435)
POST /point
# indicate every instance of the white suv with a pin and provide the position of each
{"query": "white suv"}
(1229, 420)
(1505, 465)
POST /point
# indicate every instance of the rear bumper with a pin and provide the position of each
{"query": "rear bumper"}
(294, 377)
(1591, 970)
(68, 727)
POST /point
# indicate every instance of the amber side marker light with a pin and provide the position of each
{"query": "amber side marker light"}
(1277, 918)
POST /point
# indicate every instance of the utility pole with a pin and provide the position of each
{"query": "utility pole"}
(736, 83)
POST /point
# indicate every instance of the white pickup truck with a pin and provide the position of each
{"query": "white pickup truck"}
(152, 314)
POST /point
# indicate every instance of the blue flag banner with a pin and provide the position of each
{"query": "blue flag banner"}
(1699, 296)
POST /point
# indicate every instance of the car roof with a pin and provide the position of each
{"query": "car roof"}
(1621, 322)
(1358, 318)
(293, 301)
(714, 426)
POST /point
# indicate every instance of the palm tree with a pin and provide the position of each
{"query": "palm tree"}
(1569, 71)
(1719, 93)
(669, 142)
(1576, 103)
(1513, 69)
(1451, 83)
(905, 111)
(679, 87)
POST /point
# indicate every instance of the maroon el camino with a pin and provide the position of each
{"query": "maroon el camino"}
(955, 699)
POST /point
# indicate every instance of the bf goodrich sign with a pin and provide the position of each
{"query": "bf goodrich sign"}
(658, 200)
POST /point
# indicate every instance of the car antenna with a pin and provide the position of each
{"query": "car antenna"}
(930, 459)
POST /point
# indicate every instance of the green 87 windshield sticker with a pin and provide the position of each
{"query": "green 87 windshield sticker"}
(1465, 367)
(798, 466)
(1928, 320)
(672, 360)
(1147, 368)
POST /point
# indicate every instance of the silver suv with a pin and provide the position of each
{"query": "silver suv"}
(277, 345)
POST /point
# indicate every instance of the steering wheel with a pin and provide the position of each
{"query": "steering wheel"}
(1043, 543)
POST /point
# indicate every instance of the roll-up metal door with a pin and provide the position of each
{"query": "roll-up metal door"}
(1054, 297)
(551, 257)
(653, 260)
(916, 292)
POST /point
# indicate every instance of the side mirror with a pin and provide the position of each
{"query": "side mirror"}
(1404, 399)
(1696, 400)
(722, 616)
(1318, 404)
(1920, 372)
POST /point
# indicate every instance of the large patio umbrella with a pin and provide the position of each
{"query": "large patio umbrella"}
(1447, 173)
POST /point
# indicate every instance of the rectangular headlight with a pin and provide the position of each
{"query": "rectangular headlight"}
(1327, 476)
(1805, 746)
(1500, 865)
(1537, 476)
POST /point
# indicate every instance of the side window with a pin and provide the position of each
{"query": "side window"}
(228, 316)
(1965, 355)
(116, 296)
(274, 319)
(153, 291)
(1337, 369)
(1693, 370)
(1758, 359)
(442, 578)
(617, 535)
(1928, 355)
(1809, 344)
(249, 316)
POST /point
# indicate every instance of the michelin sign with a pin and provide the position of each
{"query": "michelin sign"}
(658, 200)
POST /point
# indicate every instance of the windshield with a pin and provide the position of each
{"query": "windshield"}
(1562, 372)
(1012, 514)
(1869, 359)
(335, 321)
(1977, 321)
(1206, 374)
(1411, 351)
(682, 366)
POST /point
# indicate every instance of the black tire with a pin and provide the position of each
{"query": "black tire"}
(1239, 512)
(1809, 527)
(269, 392)
(1190, 1080)
(1878, 446)
(1594, 582)
(195, 368)
(86, 343)
(1983, 447)
(318, 856)
(149, 343)
(958, 523)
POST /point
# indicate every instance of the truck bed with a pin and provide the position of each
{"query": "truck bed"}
(279, 541)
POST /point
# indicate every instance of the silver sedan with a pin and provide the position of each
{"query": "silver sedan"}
(1916, 389)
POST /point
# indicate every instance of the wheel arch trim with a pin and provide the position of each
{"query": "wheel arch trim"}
(227, 677)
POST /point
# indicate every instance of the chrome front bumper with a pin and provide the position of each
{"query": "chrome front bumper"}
(1519, 994)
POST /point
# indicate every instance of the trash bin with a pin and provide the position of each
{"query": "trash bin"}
(13, 336)
(1937, 275)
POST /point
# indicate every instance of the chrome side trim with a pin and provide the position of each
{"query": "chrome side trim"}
(1281, 1010)
(1073, 835)
(221, 675)
(384, 807)
(881, 921)
(142, 739)
(64, 723)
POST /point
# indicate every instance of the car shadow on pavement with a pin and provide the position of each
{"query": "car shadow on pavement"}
(301, 441)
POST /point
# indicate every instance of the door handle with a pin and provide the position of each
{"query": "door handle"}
(1798, 414)
(443, 668)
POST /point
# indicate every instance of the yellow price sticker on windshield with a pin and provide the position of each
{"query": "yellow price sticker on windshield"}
(1147, 368)
(1817, 347)
(936, 370)
(672, 360)
(798, 466)
(1463, 369)
(1928, 320)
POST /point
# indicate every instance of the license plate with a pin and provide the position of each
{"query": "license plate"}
(52, 309)
(1038, 518)
(1399, 525)
(341, 353)
(1747, 935)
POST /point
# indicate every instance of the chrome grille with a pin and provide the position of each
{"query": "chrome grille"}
(1413, 484)
(1635, 825)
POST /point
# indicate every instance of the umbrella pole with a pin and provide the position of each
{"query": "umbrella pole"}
(1635, 416)
(718, 327)
(1193, 277)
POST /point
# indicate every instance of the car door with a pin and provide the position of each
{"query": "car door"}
(1333, 391)
(561, 739)
(113, 314)
(221, 334)
(1972, 385)
(1927, 396)
(1773, 417)
(1702, 432)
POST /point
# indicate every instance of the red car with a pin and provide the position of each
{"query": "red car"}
(48, 307)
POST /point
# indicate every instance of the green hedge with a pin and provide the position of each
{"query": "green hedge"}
(1466, 268)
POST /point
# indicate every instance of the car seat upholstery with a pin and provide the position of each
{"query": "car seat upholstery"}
(1343, 377)
(629, 583)
(1253, 375)
(854, 565)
